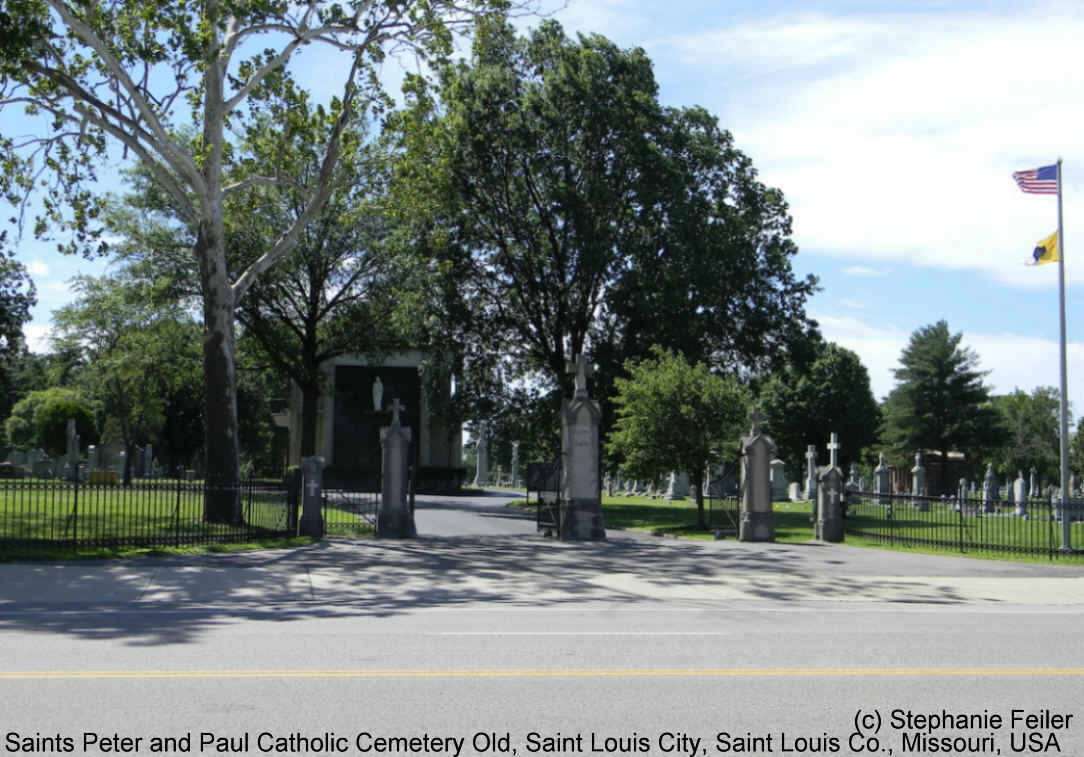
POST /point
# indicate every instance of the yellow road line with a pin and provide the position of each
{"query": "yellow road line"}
(44, 675)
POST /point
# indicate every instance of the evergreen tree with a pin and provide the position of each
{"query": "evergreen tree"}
(940, 402)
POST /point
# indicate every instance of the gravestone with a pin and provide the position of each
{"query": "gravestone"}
(880, 474)
(148, 459)
(829, 519)
(71, 459)
(678, 486)
(811, 473)
(1033, 483)
(861, 483)
(312, 496)
(757, 520)
(918, 483)
(515, 465)
(481, 474)
(582, 519)
(794, 492)
(989, 489)
(778, 473)
(852, 480)
(1020, 494)
(395, 519)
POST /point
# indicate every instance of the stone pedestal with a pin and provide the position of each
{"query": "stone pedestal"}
(757, 521)
(395, 519)
(581, 518)
(312, 496)
(829, 523)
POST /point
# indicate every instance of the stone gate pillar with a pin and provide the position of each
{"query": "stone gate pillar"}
(312, 496)
(395, 519)
(757, 521)
(581, 483)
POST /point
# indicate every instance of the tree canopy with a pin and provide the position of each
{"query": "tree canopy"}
(676, 416)
(130, 74)
(582, 216)
(939, 402)
(803, 404)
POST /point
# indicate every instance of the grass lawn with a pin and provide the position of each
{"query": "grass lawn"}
(793, 524)
(158, 513)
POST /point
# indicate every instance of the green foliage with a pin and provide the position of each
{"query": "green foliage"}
(1076, 449)
(574, 211)
(54, 408)
(1028, 438)
(939, 402)
(802, 405)
(672, 415)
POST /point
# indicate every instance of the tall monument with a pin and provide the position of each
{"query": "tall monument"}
(581, 483)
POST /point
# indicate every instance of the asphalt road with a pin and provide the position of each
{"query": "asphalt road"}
(518, 645)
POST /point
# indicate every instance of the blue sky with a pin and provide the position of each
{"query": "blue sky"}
(893, 130)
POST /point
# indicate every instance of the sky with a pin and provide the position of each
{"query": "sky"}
(893, 130)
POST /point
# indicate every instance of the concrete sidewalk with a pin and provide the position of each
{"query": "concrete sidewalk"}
(378, 575)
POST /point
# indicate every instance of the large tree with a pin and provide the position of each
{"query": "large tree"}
(532, 155)
(17, 297)
(672, 415)
(803, 404)
(132, 351)
(1028, 432)
(580, 215)
(131, 73)
(939, 402)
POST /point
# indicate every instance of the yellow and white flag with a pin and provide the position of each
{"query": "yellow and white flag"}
(1046, 251)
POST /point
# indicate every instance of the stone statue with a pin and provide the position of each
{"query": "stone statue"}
(378, 395)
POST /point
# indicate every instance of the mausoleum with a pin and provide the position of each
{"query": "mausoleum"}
(356, 404)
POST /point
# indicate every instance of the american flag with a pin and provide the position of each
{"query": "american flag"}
(1038, 181)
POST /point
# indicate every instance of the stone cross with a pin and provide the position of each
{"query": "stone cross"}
(833, 450)
(396, 406)
(754, 418)
(581, 369)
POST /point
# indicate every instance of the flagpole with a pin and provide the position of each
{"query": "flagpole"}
(1065, 545)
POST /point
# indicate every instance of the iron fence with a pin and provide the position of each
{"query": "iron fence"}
(963, 525)
(51, 512)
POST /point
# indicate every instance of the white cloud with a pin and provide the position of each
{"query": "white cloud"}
(865, 271)
(894, 137)
(37, 268)
(1014, 361)
(37, 337)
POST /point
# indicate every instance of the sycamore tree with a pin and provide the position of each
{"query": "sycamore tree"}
(672, 415)
(131, 74)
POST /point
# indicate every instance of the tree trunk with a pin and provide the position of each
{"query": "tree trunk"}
(310, 399)
(222, 501)
(696, 480)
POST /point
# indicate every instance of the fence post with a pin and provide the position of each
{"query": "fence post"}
(960, 522)
(177, 517)
(75, 509)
